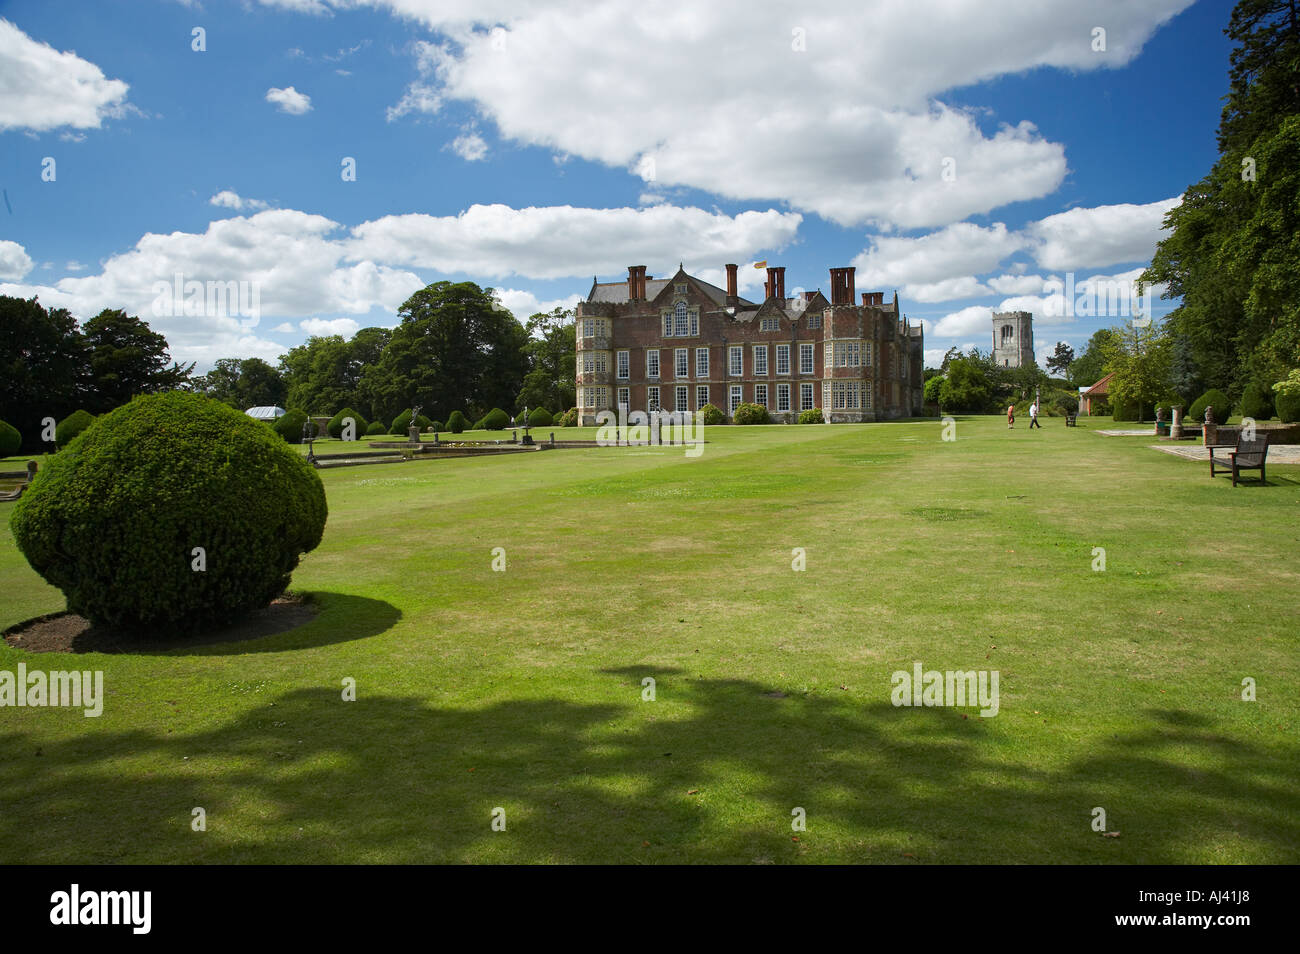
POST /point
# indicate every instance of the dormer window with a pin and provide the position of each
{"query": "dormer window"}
(680, 288)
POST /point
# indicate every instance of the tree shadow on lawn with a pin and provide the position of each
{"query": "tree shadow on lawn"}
(710, 772)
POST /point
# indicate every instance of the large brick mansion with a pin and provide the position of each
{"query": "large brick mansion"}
(676, 344)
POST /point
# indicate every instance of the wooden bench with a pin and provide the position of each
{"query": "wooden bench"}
(1248, 455)
(1071, 420)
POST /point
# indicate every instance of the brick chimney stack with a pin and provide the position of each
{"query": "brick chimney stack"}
(636, 282)
(776, 283)
(842, 285)
(731, 281)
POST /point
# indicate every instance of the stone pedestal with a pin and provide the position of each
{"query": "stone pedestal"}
(1176, 428)
(413, 434)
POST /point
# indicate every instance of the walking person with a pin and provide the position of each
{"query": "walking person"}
(1011, 416)
(1033, 417)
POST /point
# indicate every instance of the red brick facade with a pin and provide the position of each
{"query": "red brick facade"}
(852, 361)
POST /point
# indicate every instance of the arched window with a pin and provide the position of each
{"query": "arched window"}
(680, 314)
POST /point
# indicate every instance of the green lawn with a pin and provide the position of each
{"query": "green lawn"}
(523, 689)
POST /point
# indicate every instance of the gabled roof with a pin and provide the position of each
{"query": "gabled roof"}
(1102, 386)
(616, 292)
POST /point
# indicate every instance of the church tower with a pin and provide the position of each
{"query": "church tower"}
(1013, 339)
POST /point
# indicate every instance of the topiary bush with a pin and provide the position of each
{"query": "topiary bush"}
(1120, 411)
(1222, 406)
(494, 420)
(114, 520)
(457, 423)
(712, 415)
(402, 423)
(335, 426)
(289, 426)
(1288, 407)
(11, 442)
(72, 425)
(751, 414)
(811, 416)
(540, 417)
(570, 417)
(1256, 401)
(433, 425)
(376, 429)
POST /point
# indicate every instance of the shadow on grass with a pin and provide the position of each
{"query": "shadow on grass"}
(708, 773)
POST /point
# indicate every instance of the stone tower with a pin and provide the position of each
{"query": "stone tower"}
(1013, 339)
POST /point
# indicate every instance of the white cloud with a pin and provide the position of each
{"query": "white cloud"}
(563, 241)
(948, 254)
(1100, 236)
(14, 261)
(333, 326)
(968, 321)
(43, 89)
(934, 357)
(949, 289)
(226, 199)
(524, 304)
(469, 146)
(853, 129)
(74, 266)
(285, 328)
(289, 100)
(1016, 284)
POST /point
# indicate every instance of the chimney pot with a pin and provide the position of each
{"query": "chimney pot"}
(731, 281)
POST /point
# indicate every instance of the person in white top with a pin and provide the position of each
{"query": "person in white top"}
(1033, 417)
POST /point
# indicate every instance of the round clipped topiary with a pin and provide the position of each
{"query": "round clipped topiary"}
(1288, 407)
(171, 513)
(494, 420)
(402, 423)
(811, 416)
(1256, 401)
(11, 442)
(540, 417)
(71, 426)
(289, 426)
(1214, 398)
(335, 426)
(375, 429)
(712, 415)
(457, 423)
(434, 426)
(751, 414)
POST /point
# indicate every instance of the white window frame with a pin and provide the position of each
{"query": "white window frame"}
(807, 358)
(735, 360)
(625, 397)
(815, 321)
(668, 324)
(807, 397)
(681, 363)
(701, 395)
(783, 397)
(624, 365)
(735, 398)
(783, 358)
(701, 362)
(681, 320)
(695, 322)
(760, 360)
(652, 363)
(681, 397)
(652, 398)
(760, 394)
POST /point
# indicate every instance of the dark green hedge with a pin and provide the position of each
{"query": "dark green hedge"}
(1288, 407)
(751, 414)
(457, 423)
(71, 426)
(289, 426)
(113, 521)
(402, 423)
(540, 417)
(335, 426)
(11, 442)
(376, 429)
(1217, 399)
(1256, 401)
(494, 420)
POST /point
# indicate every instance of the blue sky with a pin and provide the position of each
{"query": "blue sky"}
(962, 153)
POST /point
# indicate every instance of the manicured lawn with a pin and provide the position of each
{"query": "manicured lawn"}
(523, 690)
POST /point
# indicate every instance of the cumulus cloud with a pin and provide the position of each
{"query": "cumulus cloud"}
(14, 261)
(43, 89)
(948, 254)
(564, 241)
(524, 304)
(967, 321)
(469, 146)
(843, 119)
(226, 199)
(289, 100)
(1100, 236)
(332, 326)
